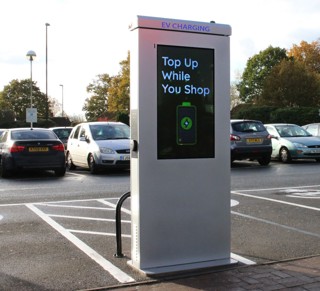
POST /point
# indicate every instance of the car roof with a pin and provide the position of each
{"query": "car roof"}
(27, 128)
(61, 127)
(287, 124)
(240, 120)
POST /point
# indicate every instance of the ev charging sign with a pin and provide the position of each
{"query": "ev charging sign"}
(185, 79)
(180, 147)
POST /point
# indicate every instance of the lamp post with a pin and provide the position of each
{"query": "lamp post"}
(62, 100)
(47, 102)
(31, 55)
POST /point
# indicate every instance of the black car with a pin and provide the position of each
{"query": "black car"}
(249, 139)
(31, 148)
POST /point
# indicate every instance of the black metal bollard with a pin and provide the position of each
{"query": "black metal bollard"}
(119, 253)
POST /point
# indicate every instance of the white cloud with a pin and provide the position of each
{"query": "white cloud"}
(87, 38)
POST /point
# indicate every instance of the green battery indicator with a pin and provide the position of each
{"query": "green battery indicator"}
(186, 124)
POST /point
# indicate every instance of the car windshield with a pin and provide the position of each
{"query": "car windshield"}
(291, 131)
(110, 131)
(248, 126)
(32, 134)
(62, 133)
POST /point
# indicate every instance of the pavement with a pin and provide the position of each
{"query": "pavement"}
(297, 274)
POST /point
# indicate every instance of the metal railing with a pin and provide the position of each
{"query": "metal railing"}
(119, 253)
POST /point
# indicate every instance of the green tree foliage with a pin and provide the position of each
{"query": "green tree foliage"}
(109, 95)
(257, 69)
(291, 84)
(96, 106)
(16, 97)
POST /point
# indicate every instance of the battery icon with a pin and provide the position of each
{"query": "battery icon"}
(186, 124)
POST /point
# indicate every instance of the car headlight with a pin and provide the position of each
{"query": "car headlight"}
(107, 151)
(299, 145)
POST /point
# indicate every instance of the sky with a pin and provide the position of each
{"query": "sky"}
(91, 37)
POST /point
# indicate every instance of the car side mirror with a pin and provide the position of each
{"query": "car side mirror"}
(87, 139)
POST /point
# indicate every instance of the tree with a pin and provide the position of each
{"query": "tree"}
(234, 96)
(96, 106)
(257, 69)
(16, 97)
(307, 53)
(110, 94)
(291, 84)
(119, 100)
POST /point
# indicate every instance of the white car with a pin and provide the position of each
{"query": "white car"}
(98, 145)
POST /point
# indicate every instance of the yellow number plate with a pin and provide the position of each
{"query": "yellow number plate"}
(254, 140)
(38, 149)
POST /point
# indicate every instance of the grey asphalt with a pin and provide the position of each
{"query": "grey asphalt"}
(298, 274)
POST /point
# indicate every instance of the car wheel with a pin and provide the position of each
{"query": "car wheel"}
(318, 160)
(285, 156)
(92, 165)
(60, 172)
(264, 161)
(4, 172)
(70, 165)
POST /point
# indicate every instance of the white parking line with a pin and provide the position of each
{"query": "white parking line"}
(87, 218)
(97, 233)
(275, 200)
(242, 259)
(105, 264)
(276, 224)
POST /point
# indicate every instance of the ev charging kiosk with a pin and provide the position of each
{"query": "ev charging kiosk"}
(180, 148)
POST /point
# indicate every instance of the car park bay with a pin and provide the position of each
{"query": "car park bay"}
(59, 233)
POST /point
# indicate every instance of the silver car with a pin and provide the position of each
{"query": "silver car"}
(313, 128)
(291, 141)
(97, 145)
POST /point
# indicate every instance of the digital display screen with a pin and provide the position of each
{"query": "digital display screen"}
(185, 102)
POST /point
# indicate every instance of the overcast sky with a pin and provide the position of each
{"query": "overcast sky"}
(91, 37)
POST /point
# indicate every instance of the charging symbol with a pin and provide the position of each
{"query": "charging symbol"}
(186, 124)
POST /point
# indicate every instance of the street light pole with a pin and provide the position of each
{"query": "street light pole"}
(47, 102)
(62, 100)
(31, 55)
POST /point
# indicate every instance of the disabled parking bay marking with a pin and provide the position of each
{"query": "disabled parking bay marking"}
(105, 264)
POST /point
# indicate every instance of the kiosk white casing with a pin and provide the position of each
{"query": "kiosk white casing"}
(180, 206)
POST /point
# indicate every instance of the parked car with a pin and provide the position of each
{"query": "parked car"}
(31, 148)
(313, 128)
(249, 139)
(291, 141)
(62, 133)
(1, 130)
(97, 145)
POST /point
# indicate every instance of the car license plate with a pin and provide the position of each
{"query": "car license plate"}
(124, 158)
(38, 149)
(254, 140)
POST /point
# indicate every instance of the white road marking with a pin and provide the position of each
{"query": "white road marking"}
(114, 205)
(97, 233)
(87, 218)
(234, 203)
(242, 259)
(275, 200)
(280, 188)
(75, 206)
(105, 264)
(276, 224)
